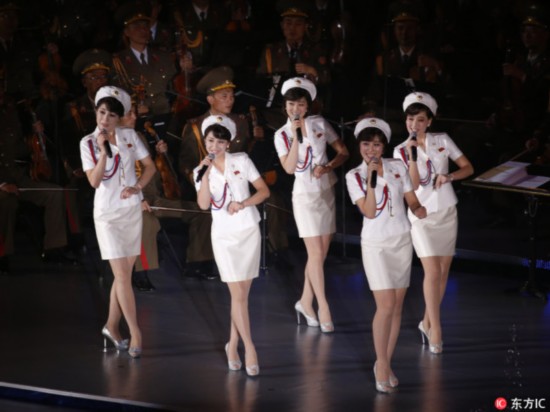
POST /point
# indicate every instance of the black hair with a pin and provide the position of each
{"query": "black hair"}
(296, 93)
(368, 134)
(112, 104)
(416, 108)
(219, 132)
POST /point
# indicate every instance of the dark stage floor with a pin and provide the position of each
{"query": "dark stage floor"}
(497, 341)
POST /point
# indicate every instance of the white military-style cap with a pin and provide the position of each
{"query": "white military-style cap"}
(373, 122)
(422, 98)
(302, 83)
(222, 120)
(117, 93)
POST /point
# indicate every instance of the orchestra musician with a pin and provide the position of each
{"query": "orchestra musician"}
(219, 88)
(16, 185)
(199, 253)
(140, 69)
(295, 55)
(404, 64)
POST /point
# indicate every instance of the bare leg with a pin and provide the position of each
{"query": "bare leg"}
(396, 320)
(445, 269)
(240, 320)
(381, 330)
(432, 296)
(314, 284)
(115, 314)
(233, 341)
(124, 294)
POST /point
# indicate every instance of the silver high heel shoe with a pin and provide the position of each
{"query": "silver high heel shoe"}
(423, 333)
(234, 365)
(120, 345)
(310, 320)
(382, 386)
(435, 348)
(327, 327)
(394, 382)
(135, 352)
(253, 370)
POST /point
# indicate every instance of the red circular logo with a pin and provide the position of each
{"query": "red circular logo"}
(500, 404)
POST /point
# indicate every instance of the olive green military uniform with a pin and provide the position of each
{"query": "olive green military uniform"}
(14, 156)
(192, 149)
(155, 77)
(199, 248)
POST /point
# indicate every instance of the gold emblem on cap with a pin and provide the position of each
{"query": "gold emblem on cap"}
(225, 85)
(419, 97)
(298, 82)
(372, 121)
(219, 119)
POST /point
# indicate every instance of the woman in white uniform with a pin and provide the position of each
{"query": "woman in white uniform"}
(108, 158)
(426, 155)
(377, 186)
(301, 147)
(222, 182)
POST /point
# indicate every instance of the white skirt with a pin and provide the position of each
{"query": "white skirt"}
(387, 263)
(118, 231)
(237, 254)
(315, 212)
(435, 235)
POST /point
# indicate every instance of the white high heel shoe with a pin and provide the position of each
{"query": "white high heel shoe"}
(120, 345)
(253, 370)
(435, 348)
(394, 382)
(423, 333)
(327, 327)
(234, 365)
(310, 320)
(382, 386)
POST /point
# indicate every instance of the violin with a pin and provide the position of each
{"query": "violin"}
(53, 84)
(170, 184)
(182, 82)
(182, 85)
(41, 169)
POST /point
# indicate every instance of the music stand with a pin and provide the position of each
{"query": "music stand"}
(514, 177)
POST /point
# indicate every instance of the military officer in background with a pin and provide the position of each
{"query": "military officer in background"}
(142, 71)
(162, 32)
(93, 67)
(199, 255)
(219, 88)
(294, 56)
(15, 182)
(405, 65)
(78, 119)
(200, 24)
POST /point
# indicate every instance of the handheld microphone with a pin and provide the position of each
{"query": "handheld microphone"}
(414, 152)
(299, 130)
(203, 170)
(107, 145)
(374, 175)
